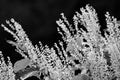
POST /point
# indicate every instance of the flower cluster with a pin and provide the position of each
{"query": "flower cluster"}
(87, 53)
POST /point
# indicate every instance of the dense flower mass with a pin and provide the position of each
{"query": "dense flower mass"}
(87, 54)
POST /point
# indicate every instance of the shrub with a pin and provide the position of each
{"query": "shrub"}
(86, 49)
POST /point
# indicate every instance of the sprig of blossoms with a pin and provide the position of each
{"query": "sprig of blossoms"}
(6, 70)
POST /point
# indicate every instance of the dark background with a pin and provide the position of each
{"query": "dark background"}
(38, 18)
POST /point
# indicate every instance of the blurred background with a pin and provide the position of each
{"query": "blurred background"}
(38, 18)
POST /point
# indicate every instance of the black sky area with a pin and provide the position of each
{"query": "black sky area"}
(38, 17)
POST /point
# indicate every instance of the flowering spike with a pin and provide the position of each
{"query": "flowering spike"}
(64, 28)
(6, 70)
(23, 44)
